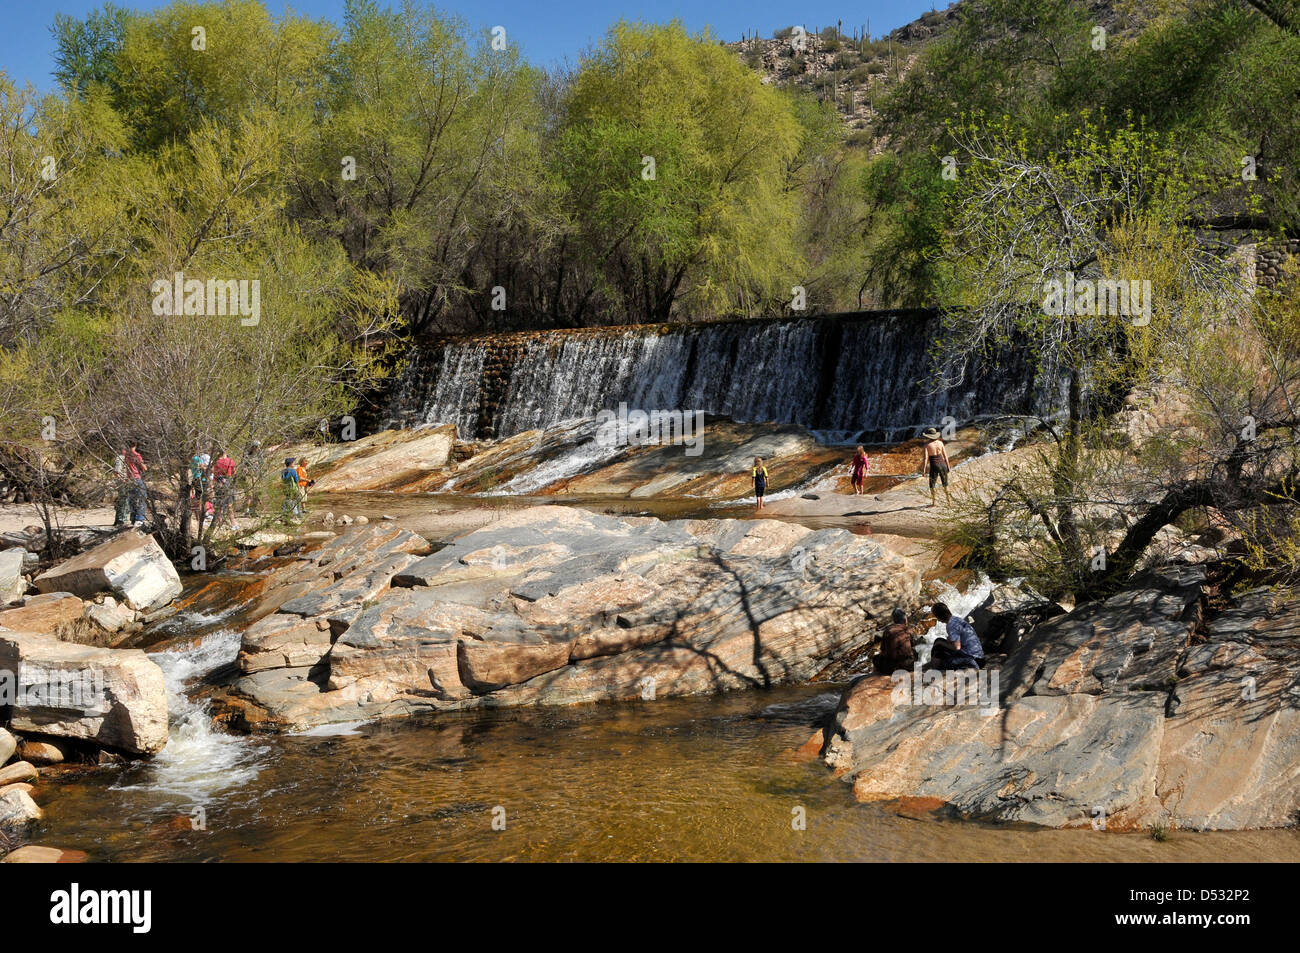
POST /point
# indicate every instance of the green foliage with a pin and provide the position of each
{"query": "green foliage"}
(86, 50)
(711, 227)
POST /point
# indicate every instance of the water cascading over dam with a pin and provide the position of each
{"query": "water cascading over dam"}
(868, 376)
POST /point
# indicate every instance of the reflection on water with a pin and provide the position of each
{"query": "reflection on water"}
(706, 778)
(673, 779)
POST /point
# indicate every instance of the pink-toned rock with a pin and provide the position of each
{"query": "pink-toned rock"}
(283, 641)
(48, 614)
(19, 771)
(559, 605)
(37, 854)
(487, 666)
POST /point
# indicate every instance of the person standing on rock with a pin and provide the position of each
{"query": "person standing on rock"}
(935, 462)
(223, 476)
(760, 481)
(122, 502)
(292, 492)
(860, 466)
(253, 472)
(304, 484)
(199, 464)
(135, 471)
(896, 650)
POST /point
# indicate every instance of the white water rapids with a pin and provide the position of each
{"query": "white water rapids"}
(199, 762)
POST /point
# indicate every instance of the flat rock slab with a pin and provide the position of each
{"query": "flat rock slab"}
(386, 460)
(558, 605)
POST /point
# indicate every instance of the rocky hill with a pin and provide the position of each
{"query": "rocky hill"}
(854, 68)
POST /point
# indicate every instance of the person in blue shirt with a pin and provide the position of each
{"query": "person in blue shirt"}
(962, 648)
(292, 492)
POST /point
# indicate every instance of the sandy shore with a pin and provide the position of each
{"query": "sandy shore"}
(15, 518)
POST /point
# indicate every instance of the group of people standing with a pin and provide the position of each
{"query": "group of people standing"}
(295, 483)
(213, 482)
(212, 486)
(934, 464)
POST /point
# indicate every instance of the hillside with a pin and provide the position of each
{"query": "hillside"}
(856, 69)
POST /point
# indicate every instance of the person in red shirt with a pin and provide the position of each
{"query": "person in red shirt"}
(859, 469)
(223, 474)
(135, 471)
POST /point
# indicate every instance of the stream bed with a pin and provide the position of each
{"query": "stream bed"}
(682, 779)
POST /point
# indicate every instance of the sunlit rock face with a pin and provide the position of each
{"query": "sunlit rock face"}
(1130, 713)
(557, 605)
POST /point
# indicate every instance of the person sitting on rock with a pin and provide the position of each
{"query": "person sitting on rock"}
(896, 649)
(962, 648)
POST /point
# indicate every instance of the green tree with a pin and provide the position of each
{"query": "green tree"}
(675, 159)
(1030, 225)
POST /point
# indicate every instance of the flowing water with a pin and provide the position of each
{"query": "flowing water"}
(848, 375)
(706, 778)
(709, 778)
(701, 778)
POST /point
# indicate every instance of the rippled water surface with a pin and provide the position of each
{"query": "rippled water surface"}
(673, 779)
(705, 778)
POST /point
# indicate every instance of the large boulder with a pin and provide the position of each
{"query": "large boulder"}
(558, 605)
(8, 745)
(115, 698)
(1132, 712)
(12, 583)
(130, 565)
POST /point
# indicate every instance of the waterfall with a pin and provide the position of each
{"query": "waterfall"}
(864, 376)
(453, 398)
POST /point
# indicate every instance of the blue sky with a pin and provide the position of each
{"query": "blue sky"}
(547, 32)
